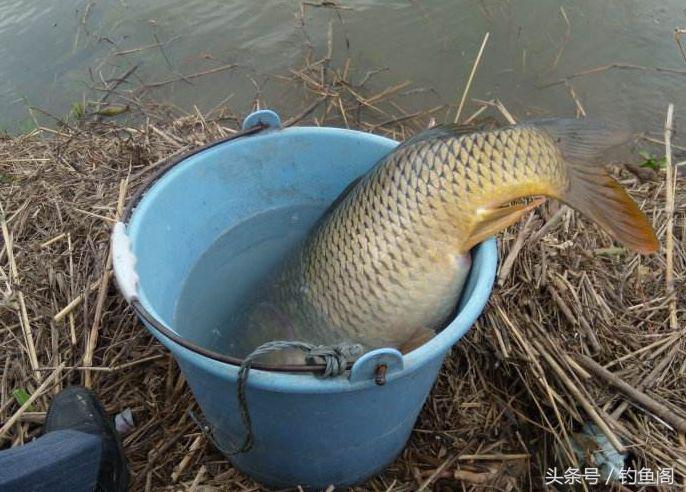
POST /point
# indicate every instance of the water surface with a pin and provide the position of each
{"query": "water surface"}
(51, 54)
(228, 277)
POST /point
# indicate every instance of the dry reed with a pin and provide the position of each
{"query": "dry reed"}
(571, 315)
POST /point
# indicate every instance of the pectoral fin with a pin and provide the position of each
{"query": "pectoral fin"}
(493, 220)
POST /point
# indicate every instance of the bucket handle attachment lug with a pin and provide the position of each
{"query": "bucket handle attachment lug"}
(262, 117)
(124, 263)
(377, 365)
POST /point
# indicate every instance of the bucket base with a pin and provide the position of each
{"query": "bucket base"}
(339, 483)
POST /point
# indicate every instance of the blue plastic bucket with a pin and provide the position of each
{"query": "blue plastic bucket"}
(307, 431)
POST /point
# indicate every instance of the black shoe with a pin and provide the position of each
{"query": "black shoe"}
(77, 408)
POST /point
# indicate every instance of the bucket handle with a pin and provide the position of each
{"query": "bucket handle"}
(377, 365)
(263, 117)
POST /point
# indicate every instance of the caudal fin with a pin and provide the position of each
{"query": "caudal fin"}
(591, 190)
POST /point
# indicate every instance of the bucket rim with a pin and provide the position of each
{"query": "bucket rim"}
(165, 166)
(442, 342)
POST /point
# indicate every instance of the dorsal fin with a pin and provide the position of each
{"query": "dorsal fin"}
(445, 130)
(582, 140)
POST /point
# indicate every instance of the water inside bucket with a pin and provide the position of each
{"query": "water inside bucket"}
(226, 278)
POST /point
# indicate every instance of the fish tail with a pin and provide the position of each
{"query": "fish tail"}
(591, 190)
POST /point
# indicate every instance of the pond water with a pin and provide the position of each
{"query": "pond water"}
(51, 53)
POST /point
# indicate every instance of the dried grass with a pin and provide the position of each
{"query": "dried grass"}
(511, 395)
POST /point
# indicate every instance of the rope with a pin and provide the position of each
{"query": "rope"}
(335, 359)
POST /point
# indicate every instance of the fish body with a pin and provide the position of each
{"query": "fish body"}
(386, 265)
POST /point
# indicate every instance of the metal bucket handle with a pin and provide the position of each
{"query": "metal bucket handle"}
(375, 364)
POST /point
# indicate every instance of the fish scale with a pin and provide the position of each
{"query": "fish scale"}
(390, 259)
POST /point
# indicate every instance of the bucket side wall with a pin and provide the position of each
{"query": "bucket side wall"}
(328, 437)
